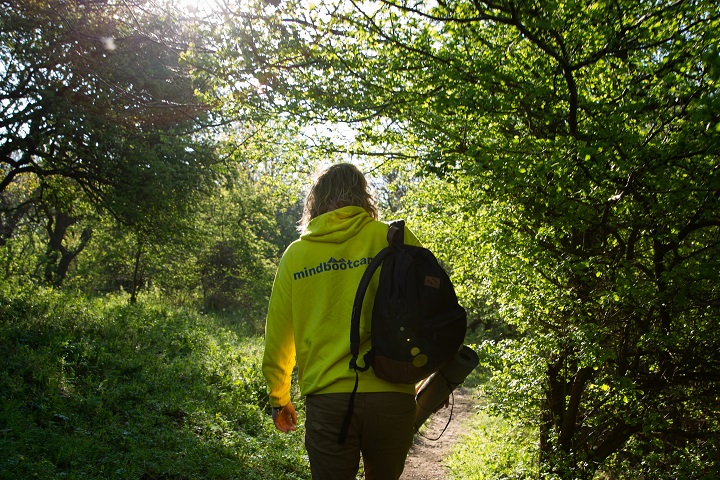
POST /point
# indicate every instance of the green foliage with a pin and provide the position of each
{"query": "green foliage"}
(103, 389)
(99, 127)
(237, 267)
(493, 448)
(91, 94)
(476, 240)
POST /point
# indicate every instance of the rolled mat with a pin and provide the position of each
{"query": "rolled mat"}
(438, 387)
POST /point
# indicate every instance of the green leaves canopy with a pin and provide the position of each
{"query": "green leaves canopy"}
(95, 93)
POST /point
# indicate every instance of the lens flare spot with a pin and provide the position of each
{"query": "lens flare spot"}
(420, 360)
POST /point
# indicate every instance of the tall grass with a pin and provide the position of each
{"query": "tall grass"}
(99, 388)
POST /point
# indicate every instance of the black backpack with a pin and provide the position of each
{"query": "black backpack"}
(417, 324)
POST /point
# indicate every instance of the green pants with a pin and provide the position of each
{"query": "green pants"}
(381, 430)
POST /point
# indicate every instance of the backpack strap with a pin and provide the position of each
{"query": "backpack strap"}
(395, 236)
(358, 304)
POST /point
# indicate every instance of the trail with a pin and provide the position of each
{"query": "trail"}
(425, 459)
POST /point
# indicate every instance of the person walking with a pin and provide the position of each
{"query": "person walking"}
(308, 325)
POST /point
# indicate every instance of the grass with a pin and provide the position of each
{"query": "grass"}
(98, 388)
(494, 448)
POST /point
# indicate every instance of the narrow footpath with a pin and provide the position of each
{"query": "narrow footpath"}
(425, 460)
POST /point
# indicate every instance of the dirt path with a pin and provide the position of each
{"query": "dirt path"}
(425, 460)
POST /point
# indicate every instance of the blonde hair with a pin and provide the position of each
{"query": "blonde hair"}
(341, 185)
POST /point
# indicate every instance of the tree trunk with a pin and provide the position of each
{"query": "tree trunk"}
(559, 453)
(137, 275)
(58, 256)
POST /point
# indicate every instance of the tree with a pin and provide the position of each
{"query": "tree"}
(62, 216)
(236, 264)
(585, 137)
(97, 105)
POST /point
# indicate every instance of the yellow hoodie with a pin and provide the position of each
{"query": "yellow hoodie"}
(311, 305)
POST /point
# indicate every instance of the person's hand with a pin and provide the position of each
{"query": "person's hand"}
(285, 418)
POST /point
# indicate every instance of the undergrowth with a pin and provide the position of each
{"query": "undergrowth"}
(493, 448)
(101, 389)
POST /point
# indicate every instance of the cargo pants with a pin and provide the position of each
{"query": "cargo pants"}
(381, 430)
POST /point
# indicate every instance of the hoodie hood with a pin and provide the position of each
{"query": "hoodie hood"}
(337, 226)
